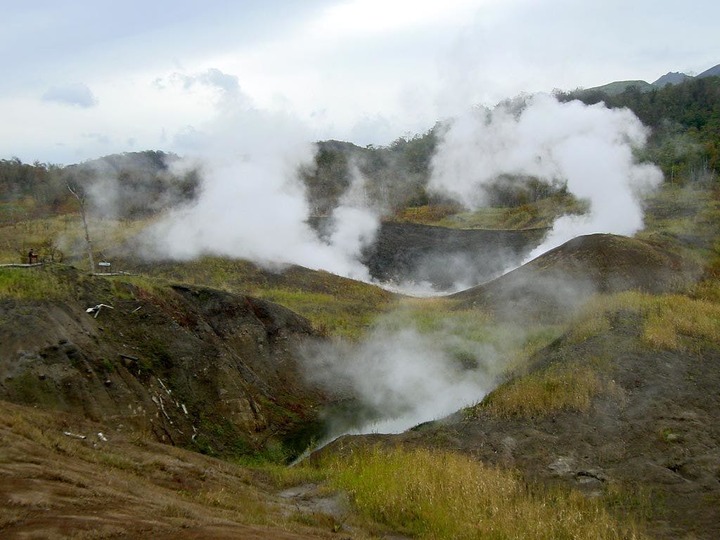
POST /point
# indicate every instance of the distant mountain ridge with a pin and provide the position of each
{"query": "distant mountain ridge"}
(673, 78)
(712, 72)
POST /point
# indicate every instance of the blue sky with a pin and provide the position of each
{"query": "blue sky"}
(83, 79)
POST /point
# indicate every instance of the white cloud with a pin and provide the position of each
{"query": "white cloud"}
(372, 17)
(408, 63)
(77, 94)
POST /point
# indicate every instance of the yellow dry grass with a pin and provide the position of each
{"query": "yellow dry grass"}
(560, 387)
(669, 321)
(434, 494)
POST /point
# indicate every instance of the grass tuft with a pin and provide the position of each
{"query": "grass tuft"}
(669, 321)
(555, 389)
(32, 284)
(433, 494)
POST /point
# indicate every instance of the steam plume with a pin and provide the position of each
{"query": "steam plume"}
(252, 205)
(590, 148)
(401, 377)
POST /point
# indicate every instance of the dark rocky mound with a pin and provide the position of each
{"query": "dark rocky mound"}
(559, 281)
(195, 367)
(444, 257)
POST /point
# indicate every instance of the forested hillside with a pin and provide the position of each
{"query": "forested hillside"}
(135, 183)
(684, 120)
(685, 124)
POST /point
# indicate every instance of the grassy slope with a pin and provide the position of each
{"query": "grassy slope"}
(336, 306)
(535, 215)
(332, 303)
(116, 483)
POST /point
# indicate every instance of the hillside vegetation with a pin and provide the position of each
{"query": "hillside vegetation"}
(602, 421)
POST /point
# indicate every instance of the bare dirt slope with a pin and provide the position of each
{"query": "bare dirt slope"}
(194, 367)
(112, 484)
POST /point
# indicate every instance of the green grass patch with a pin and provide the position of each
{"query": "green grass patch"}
(333, 315)
(434, 494)
(557, 388)
(32, 284)
(427, 214)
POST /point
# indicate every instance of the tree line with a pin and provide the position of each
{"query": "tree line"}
(129, 185)
(684, 120)
(685, 142)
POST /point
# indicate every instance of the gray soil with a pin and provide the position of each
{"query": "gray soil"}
(555, 284)
(444, 257)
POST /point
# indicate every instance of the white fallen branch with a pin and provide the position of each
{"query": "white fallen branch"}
(164, 387)
(74, 435)
(159, 402)
(96, 309)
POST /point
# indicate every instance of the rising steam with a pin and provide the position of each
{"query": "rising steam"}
(589, 148)
(400, 377)
(252, 204)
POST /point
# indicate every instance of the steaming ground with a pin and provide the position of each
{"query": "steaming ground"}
(253, 206)
(401, 377)
(590, 149)
(408, 378)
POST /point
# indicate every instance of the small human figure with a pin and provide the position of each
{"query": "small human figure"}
(32, 257)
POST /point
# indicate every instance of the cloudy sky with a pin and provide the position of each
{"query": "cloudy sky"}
(85, 78)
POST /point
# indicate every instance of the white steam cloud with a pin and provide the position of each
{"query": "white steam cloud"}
(590, 148)
(252, 204)
(401, 377)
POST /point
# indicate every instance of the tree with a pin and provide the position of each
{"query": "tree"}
(88, 243)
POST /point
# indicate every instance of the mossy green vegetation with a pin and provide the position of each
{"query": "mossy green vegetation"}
(33, 283)
(437, 494)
